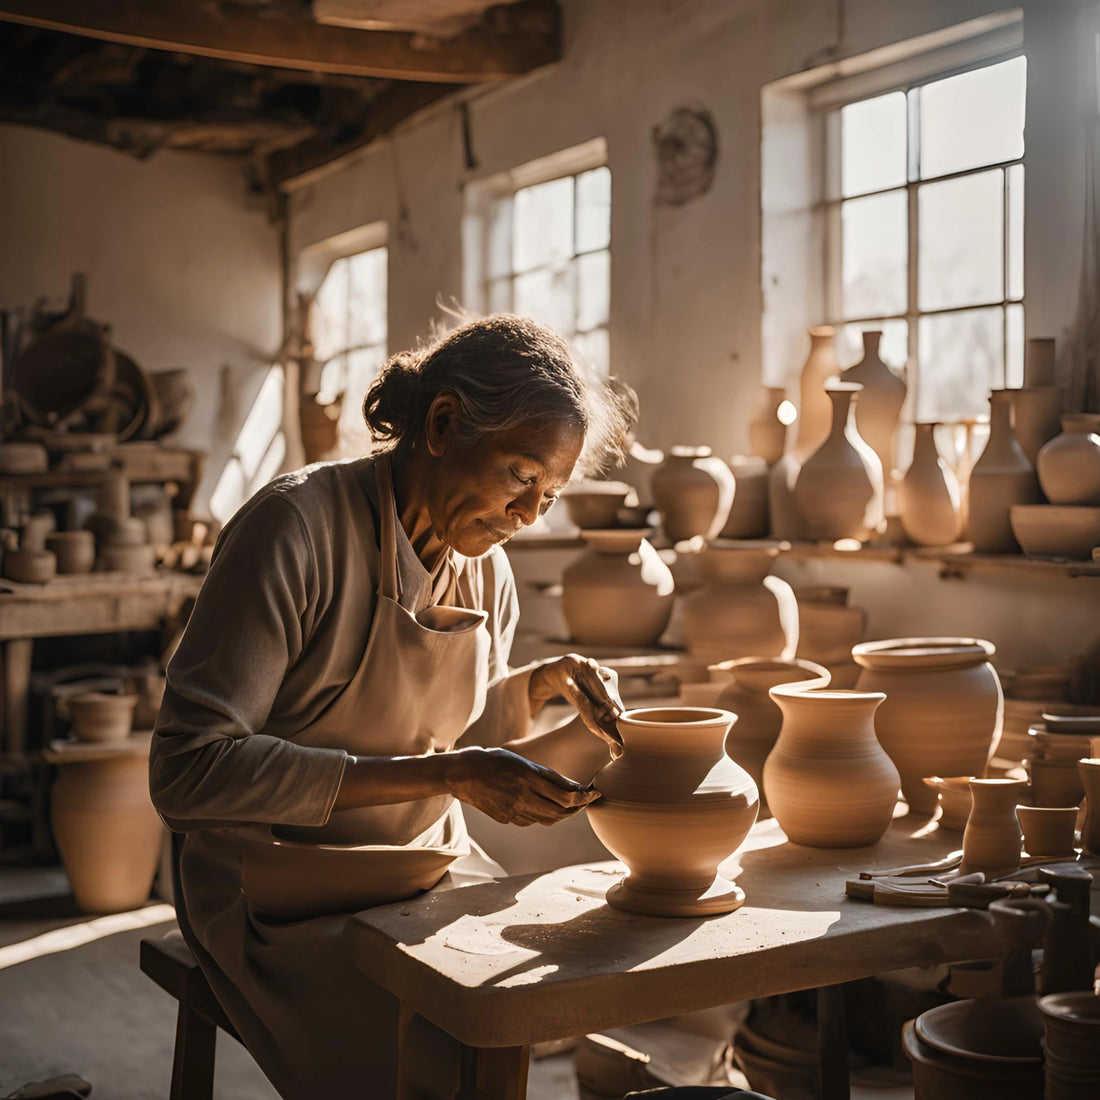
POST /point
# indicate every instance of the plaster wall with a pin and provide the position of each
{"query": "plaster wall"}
(181, 263)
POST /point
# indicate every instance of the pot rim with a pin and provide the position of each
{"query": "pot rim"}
(99, 698)
(698, 717)
(930, 652)
(1067, 1006)
(832, 695)
(818, 674)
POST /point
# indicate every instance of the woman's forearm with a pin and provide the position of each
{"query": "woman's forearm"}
(385, 780)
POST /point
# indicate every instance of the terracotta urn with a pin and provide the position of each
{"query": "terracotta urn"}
(693, 489)
(1048, 830)
(767, 433)
(1089, 770)
(880, 402)
(929, 503)
(942, 714)
(740, 610)
(618, 592)
(992, 841)
(74, 550)
(32, 563)
(674, 806)
(746, 694)
(828, 781)
(106, 829)
(828, 629)
(1000, 478)
(839, 491)
(100, 716)
(748, 517)
(1069, 465)
(815, 410)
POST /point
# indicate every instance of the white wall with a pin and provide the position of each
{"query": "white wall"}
(181, 262)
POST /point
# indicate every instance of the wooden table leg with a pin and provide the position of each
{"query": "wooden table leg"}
(494, 1073)
(17, 685)
(832, 1045)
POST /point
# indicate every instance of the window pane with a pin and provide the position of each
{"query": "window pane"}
(363, 368)
(500, 296)
(961, 251)
(873, 144)
(549, 297)
(263, 421)
(961, 360)
(972, 119)
(1016, 231)
(594, 209)
(543, 224)
(1014, 351)
(874, 255)
(594, 351)
(499, 238)
(593, 289)
(329, 314)
(894, 349)
(332, 381)
(367, 304)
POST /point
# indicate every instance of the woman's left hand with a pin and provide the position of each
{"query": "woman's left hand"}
(587, 685)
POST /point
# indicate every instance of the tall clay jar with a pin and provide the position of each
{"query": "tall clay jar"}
(619, 592)
(828, 781)
(674, 806)
(693, 489)
(839, 491)
(740, 610)
(1069, 465)
(928, 496)
(1001, 477)
(815, 410)
(1037, 404)
(943, 709)
(992, 841)
(880, 403)
(767, 433)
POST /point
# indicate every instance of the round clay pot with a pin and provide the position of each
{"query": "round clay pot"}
(767, 433)
(1069, 465)
(828, 628)
(106, 829)
(880, 402)
(139, 560)
(1001, 477)
(30, 566)
(23, 458)
(928, 496)
(759, 718)
(1048, 830)
(954, 799)
(1054, 782)
(693, 490)
(674, 806)
(992, 841)
(74, 550)
(839, 492)
(748, 517)
(619, 592)
(828, 781)
(1089, 771)
(595, 504)
(740, 611)
(1036, 416)
(98, 716)
(815, 410)
(942, 714)
(1071, 1045)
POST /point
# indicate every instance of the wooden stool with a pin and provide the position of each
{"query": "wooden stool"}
(169, 962)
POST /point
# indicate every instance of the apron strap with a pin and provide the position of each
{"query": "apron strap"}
(387, 508)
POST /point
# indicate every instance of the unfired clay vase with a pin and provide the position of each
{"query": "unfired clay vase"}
(928, 496)
(758, 716)
(942, 714)
(828, 629)
(880, 402)
(106, 828)
(619, 592)
(740, 611)
(1069, 465)
(1048, 830)
(674, 806)
(828, 781)
(1089, 770)
(98, 716)
(32, 563)
(767, 433)
(1001, 477)
(1036, 414)
(839, 492)
(814, 410)
(694, 491)
(992, 841)
(748, 517)
(74, 550)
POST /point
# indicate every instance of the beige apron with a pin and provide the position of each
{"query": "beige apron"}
(317, 1027)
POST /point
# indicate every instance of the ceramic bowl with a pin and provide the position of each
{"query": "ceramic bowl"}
(596, 503)
(1055, 530)
(954, 799)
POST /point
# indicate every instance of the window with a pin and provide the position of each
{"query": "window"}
(348, 328)
(537, 244)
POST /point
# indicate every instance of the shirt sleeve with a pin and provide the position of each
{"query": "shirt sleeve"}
(211, 764)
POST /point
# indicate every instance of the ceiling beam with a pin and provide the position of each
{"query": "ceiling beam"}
(515, 39)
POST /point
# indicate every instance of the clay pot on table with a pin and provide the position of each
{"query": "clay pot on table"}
(942, 714)
(828, 629)
(1054, 782)
(767, 433)
(828, 781)
(748, 516)
(619, 592)
(674, 806)
(1071, 1045)
(740, 610)
(929, 502)
(1048, 830)
(100, 716)
(74, 550)
(106, 829)
(1089, 769)
(1001, 477)
(992, 841)
(596, 504)
(1069, 465)
(815, 409)
(839, 491)
(880, 403)
(953, 795)
(32, 563)
(693, 489)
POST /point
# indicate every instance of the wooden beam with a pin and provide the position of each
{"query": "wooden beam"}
(387, 110)
(515, 39)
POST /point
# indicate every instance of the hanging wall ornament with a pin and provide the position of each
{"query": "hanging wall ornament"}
(686, 143)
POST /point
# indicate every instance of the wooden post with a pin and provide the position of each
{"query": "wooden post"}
(17, 682)
(832, 1044)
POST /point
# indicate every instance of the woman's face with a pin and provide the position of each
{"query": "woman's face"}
(483, 493)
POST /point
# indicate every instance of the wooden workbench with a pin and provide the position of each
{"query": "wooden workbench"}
(486, 971)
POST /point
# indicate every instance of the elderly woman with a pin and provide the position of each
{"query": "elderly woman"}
(344, 680)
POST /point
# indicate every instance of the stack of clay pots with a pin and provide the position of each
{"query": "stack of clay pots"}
(1029, 692)
(1057, 742)
(122, 539)
(828, 629)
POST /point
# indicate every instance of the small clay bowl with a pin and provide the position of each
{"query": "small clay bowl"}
(98, 716)
(596, 503)
(954, 799)
(30, 566)
(1048, 830)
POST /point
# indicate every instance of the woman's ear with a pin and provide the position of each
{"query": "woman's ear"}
(439, 423)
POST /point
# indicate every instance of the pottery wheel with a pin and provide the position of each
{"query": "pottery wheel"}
(721, 896)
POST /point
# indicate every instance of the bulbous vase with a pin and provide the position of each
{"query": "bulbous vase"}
(674, 806)
(943, 709)
(619, 592)
(815, 410)
(828, 781)
(1069, 465)
(767, 433)
(992, 840)
(929, 504)
(693, 489)
(740, 610)
(880, 402)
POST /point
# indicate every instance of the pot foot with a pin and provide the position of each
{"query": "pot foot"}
(720, 896)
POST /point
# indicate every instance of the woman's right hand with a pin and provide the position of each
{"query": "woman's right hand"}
(513, 790)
